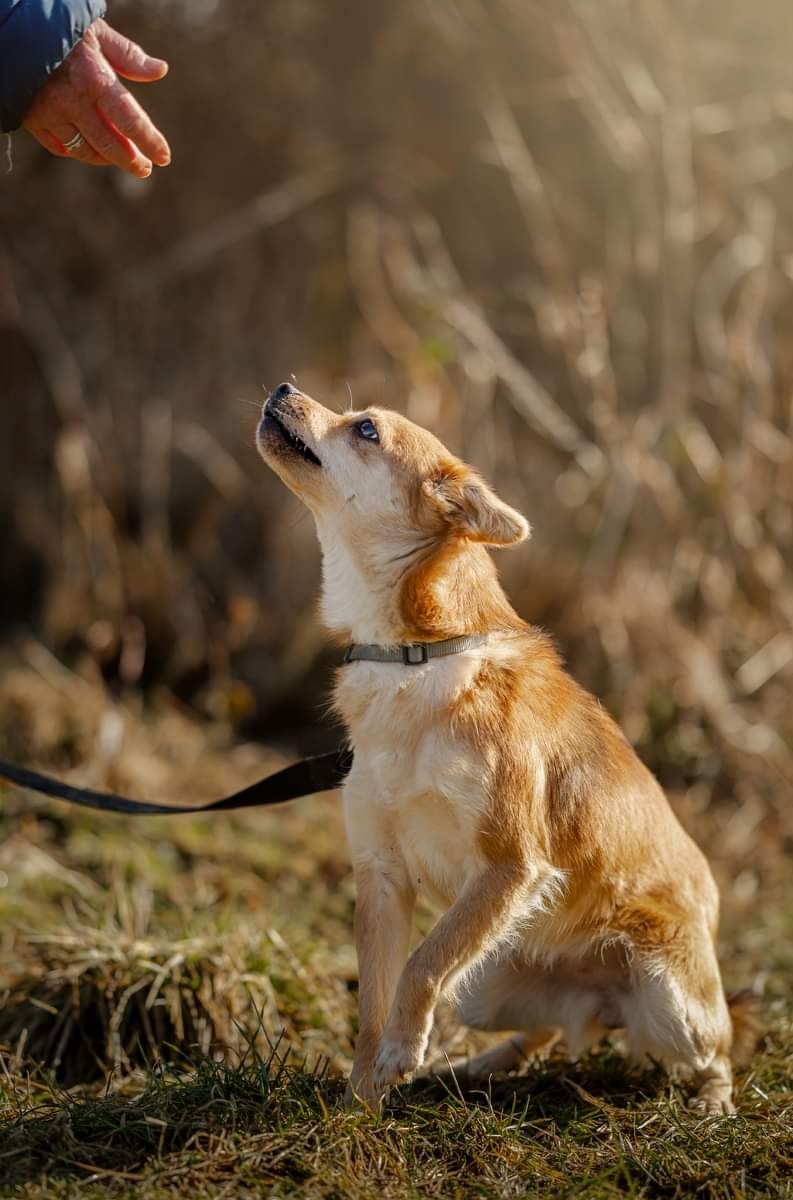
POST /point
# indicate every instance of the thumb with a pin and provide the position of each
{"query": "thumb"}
(126, 57)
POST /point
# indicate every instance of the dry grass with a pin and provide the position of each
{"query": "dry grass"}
(263, 1128)
(178, 1009)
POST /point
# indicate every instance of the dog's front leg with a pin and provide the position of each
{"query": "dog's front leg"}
(483, 912)
(384, 907)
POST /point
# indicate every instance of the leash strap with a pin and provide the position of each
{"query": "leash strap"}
(414, 654)
(320, 773)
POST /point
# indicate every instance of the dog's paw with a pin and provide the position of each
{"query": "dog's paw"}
(712, 1106)
(363, 1096)
(398, 1059)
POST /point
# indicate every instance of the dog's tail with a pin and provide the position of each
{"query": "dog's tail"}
(748, 1028)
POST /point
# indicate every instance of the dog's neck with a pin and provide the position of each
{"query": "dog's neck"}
(356, 606)
(406, 589)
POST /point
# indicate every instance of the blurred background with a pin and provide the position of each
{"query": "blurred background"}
(559, 234)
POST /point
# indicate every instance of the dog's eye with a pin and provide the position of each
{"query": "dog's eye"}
(367, 430)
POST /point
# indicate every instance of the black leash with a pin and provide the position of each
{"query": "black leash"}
(320, 773)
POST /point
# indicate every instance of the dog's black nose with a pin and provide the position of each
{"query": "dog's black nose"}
(282, 391)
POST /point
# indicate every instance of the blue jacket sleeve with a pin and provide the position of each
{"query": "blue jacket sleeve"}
(35, 38)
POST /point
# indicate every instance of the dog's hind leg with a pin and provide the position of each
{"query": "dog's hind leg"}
(677, 1014)
(510, 1055)
(542, 1003)
(714, 1087)
(746, 1030)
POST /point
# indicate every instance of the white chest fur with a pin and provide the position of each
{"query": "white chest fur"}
(416, 793)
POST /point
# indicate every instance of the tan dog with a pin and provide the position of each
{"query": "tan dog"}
(574, 902)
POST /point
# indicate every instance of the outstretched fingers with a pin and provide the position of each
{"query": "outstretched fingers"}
(111, 145)
(126, 117)
(127, 58)
(85, 96)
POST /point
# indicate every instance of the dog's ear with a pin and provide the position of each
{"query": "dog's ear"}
(473, 509)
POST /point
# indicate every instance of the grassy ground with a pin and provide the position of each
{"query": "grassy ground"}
(178, 1003)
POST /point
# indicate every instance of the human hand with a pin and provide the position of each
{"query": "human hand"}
(85, 96)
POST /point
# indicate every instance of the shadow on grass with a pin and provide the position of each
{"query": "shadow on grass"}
(59, 1133)
(588, 1129)
(556, 1090)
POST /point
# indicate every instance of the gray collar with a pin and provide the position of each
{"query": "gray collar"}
(415, 654)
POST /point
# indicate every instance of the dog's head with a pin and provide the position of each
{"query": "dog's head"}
(376, 469)
(383, 491)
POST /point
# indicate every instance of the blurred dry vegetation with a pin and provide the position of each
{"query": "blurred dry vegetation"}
(560, 234)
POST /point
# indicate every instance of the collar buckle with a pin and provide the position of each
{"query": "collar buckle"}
(416, 654)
